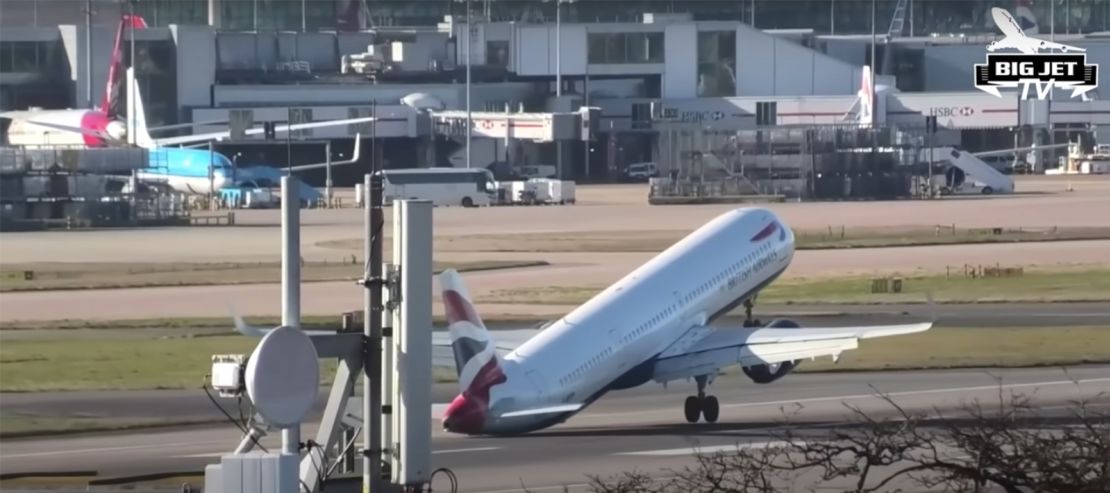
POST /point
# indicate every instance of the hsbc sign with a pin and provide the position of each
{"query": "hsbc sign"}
(951, 111)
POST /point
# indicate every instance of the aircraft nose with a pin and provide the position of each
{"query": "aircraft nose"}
(464, 415)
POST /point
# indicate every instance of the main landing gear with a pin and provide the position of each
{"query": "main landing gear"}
(748, 320)
(701, 404)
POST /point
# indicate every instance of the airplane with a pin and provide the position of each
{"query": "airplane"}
(104, 127)
(142, 137)
(97, 127)
(651, 325)
(1015, 37)
(187, 170)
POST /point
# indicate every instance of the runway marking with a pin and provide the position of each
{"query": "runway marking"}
(457, 450)
(110, 449)
(866, 396)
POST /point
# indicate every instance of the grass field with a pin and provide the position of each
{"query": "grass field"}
(12, 426)
(53, 276)
(119, 359)
(832, 237)
(1030, 286)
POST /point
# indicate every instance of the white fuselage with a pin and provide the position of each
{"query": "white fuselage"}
(190, 185)
(612, 340)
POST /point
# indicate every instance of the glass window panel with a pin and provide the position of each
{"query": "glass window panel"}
(596, 47)
(637, 48)
(655, 47)
(615, 48)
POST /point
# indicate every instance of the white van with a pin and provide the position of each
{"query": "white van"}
(641, 171)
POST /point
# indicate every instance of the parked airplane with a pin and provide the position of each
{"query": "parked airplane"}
(1016, 39)
(142, 137)
(96, 127)
(652, 325)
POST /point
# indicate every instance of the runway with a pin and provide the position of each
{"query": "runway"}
(640, 428)
(193, 405)
(569, 270)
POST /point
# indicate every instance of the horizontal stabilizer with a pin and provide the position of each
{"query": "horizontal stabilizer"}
(564, 408)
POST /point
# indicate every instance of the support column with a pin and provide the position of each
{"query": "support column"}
(290, 282)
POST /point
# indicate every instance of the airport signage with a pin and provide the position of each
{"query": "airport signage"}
(693, 116)
(951, 111)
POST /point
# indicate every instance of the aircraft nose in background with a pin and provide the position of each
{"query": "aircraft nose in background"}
(464, 415)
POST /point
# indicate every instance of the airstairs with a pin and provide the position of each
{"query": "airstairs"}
(976, 169)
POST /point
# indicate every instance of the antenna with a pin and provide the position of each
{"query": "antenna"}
(282, 376)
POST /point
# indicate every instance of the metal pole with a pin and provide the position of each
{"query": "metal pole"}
(558, 83)
(88, 54)
(304, 17)
(290, 282)
(373, 138)
(131, 87)
(211, 175)
(874, 41)
(911, 19)
(327, 169)
(929, 136)
(289, 140)
(372, 327)
(558, 49)
(469, 121)
(586, 99)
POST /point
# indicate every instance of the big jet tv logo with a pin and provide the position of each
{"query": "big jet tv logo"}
(1031, 68)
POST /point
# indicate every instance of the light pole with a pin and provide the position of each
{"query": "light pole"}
(88, 54)
(558, 82)
(469, 119)
(558, 49)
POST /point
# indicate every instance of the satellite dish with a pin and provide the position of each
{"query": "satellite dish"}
(423, 101)
(283, 376)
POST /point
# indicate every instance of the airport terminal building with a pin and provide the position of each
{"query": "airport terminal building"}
(680, 71)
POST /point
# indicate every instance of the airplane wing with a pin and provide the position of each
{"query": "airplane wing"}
(1003, 152)
(726, 347)
(1006, 23)
(565, 408)
(186, 139)
(354, 159)
(242, 327)
(1048, 45)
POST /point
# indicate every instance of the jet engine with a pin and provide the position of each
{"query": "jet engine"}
(769, 372)
(116, 130)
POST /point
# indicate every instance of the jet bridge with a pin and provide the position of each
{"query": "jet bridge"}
(536, 127)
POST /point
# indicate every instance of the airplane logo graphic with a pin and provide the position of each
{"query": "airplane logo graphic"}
(1016, 39)
(1030, 67)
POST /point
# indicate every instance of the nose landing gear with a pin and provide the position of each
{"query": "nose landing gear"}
(702, 405)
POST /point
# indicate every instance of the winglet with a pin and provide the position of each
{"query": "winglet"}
(241, 326)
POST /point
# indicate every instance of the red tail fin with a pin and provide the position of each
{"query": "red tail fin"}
(109, 105)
